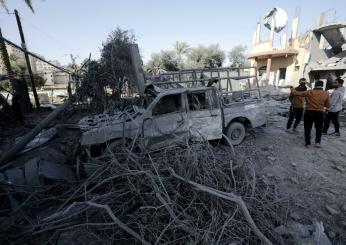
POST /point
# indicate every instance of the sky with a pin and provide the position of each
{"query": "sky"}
(59, 28)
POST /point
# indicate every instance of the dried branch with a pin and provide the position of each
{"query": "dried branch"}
(230, 197)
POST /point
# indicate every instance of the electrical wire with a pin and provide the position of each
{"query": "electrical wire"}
(48, 35)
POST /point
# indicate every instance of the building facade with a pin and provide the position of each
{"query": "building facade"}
(289, 60)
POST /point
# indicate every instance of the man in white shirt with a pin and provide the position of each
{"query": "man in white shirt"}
(333, 111)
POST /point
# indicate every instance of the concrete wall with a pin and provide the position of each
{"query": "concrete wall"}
(277, 63)
(61, 78)
(262, 46)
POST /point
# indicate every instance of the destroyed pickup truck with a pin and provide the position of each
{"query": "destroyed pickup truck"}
(175, 114)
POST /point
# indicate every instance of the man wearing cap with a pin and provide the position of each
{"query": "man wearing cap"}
(333, 111)
(317, 100)
(297, 106)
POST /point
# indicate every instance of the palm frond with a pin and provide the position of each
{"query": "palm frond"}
(29, 3)
(3, 4)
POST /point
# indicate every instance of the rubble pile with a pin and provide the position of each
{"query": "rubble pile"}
(186, 194)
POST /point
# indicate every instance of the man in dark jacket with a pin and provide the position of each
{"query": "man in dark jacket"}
(317, 101)
(297, 106)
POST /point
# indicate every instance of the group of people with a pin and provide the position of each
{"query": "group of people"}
(320, 109)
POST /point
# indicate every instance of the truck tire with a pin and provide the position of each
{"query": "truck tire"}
(236, 132)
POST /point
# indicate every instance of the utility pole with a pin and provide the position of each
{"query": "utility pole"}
(27, 59)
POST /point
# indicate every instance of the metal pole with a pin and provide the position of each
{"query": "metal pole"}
(34, 55)
(27, 59)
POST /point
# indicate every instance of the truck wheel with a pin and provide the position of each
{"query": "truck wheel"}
(236, 132)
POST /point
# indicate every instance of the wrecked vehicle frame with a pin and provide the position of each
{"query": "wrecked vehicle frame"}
(182, 112)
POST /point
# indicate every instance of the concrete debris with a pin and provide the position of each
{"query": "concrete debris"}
(31, 171)
(103, 120)
(48, 106)
(56, 171)
(294, 180)
(332, 210)
(295, 216)
(331, 234)
(34, 172)
(343, 208)
(295, 229)
(339, 168)
(43, 137)
(304, 234)
(270, 158)
(15, 176)
(320, 236)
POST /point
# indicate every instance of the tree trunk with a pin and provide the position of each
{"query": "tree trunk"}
(17, 86)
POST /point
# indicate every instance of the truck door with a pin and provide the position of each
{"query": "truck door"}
(168, 123)
(204, 114)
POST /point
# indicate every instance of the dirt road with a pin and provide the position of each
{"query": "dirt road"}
(313, 179)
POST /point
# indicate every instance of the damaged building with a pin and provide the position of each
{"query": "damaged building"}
(316, 54)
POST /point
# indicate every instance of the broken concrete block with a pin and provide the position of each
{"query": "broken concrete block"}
(333, 191)
(342, 223)
(2, 178)
(339, 168)
(270, 158)
(282, 230)
(319, 235)
(343, 208)
(15, 176)
(44, 136)
(332, 210)
(52, 170)
(295, 216)
(331, 234)
(31, 172)
(294, 180)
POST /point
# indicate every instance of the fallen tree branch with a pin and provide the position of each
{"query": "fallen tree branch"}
(231, 197)
(118, 222)
(10, 154)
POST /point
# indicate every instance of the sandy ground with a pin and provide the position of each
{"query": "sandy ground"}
(312, 178)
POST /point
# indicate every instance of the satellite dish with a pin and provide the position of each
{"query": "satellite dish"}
(276, 17)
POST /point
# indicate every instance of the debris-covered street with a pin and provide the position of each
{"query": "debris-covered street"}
(197, 143)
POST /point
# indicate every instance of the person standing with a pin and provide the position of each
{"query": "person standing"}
(333, 111)
(17, 108)
(317, 100)
(297, 106)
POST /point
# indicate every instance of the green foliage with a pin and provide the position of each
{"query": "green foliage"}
(237, 56)
(166, 60)
(115, 60)
(184, 57)
(103, 80)
(38, 80)
(21, 73)
(211, 56)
